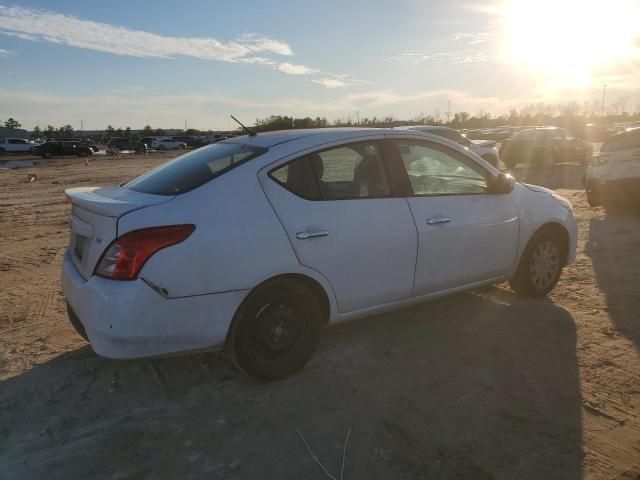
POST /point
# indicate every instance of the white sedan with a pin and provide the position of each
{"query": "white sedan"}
(255, 243)
(483, 148)
(167, 144)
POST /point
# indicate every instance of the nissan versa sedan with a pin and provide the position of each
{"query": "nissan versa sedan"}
(255, 243)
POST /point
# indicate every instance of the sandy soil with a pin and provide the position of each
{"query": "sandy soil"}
(481, 385)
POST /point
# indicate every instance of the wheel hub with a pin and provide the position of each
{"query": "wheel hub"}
(544, 265)
(277, 329)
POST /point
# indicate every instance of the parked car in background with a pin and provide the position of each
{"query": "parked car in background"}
(90, 143)
(613, 176)
(124, 143)
(189, 141)
(148, 141)
(57, 148)
(483, 148)
(318, 226)
(544, 146)
(167, 143)
(15, 145)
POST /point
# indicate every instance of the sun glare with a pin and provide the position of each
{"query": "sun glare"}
(565, 41)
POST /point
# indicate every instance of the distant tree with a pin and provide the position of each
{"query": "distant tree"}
(12, 123)
(127, 132)
(192, 131)
(50, 132)
(159, 131)
(37, 133)
(147, 129)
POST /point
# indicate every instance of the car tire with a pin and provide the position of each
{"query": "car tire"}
(275, 330)
(77, 324)
(540, 266)
(162, 148)
(593, 195)
(46, 155)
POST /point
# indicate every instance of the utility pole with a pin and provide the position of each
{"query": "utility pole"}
(604, 90)
(448, 111)
(81, 126)
(185, 125)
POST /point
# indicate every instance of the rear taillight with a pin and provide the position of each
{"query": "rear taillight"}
(126, 256)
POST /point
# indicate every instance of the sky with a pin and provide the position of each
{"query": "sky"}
(125, 63)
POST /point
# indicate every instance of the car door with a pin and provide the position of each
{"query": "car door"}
(466, 234)
(338, 208)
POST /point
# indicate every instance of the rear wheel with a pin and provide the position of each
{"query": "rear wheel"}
(275, 331)
(46, 155)
(540, 266)
(162, 147)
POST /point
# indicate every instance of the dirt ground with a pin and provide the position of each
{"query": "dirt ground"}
(481, 385)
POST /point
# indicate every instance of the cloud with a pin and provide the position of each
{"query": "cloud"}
(339, 81)
(250, 48)
(456, 57)
(472, 38)
(292, 69)
(43, 26)
(5, 53)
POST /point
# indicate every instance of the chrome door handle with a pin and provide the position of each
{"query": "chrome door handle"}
(305, 235)
(437, 220)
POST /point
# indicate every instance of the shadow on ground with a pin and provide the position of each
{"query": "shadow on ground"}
(481, 385)
(613, 246)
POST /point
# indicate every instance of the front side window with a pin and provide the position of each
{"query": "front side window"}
(189, 171)
(433, 170)
(346, 172)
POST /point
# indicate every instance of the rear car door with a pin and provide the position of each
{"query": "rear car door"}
(338, 208)
(466, 234)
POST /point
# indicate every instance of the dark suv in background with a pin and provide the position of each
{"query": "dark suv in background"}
(544, 146)
(60, 148)
(126, 144)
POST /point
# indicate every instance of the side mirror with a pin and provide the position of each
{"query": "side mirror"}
(502, 184)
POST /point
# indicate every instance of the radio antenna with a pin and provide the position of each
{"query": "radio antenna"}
(250, 132)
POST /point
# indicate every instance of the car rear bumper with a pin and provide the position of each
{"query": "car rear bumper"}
(128, 319)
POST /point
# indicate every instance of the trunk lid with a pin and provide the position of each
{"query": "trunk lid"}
(94, 220)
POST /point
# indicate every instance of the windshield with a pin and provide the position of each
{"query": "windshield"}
(193, 169)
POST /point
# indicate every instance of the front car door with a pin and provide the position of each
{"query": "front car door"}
(338, 209)
(466, 234)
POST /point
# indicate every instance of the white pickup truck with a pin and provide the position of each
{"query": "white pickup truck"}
(15, 145)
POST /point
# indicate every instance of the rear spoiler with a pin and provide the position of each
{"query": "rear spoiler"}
(112, 201)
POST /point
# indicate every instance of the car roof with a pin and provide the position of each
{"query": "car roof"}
(270, 139)
(426, 128)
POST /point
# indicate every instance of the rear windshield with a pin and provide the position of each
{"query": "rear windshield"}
(193, 169)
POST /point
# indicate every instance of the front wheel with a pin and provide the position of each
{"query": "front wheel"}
(540, 266)
(275, 331)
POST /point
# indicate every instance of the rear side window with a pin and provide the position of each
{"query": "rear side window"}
(347, 172)
(193, 169)
(622, 141)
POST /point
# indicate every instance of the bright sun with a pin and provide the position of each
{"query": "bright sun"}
(565, 41)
